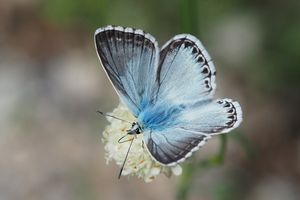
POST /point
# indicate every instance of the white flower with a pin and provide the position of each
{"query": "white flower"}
(139, 163)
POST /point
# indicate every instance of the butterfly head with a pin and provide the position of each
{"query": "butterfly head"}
(135, 129)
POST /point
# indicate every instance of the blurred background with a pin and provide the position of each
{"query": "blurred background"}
(51, 84)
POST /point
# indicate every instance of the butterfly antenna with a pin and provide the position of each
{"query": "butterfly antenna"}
(121, 170)
(120, 141)
(108, 115)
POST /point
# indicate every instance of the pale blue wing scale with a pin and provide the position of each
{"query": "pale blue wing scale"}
(186, 73)
(211, 117)
(130, 59)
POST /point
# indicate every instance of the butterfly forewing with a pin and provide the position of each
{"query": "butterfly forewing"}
(186, 73)
(129, 57)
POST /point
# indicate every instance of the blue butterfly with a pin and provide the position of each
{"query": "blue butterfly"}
(168, 90)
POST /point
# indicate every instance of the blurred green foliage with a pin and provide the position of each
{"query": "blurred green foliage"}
(275, 68)
(281, 55)
(75, 12)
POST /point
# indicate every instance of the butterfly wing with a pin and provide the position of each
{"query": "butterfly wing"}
(173, 145)
(130, 59)
(185, 73)
(212, 117)
(194, 126)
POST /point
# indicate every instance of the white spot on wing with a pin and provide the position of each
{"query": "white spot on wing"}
(128, 30)
(139, 32)
(119, 28)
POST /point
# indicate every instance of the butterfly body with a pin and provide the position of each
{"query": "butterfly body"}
(135, 129)
(168, 90)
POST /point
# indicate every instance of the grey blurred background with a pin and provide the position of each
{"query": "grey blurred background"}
(51, 84)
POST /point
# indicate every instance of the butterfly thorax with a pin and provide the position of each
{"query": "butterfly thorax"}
(135, 129)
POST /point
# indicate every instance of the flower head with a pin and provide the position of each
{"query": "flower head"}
(139, 163)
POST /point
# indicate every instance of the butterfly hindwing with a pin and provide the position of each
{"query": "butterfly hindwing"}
(173, 145)
(193, 127)
(130, 58)
(212, 117)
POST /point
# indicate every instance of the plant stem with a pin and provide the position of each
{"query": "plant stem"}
(189, 16)
(185, 182)
(221, 155)
(191, 169)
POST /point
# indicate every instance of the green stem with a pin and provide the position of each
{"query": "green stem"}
(190, 170)
(244, 142)
(188, 16)
(185, 181)
(219, 158)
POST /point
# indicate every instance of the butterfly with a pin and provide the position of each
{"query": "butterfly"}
(169, 90)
